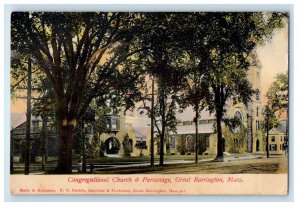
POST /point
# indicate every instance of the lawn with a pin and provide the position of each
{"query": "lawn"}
(278, 165)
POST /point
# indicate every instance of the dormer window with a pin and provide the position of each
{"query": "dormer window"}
(112, 123)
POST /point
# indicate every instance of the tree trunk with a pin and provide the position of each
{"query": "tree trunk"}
(152, 124)
(83, 147)
(28, 120)
(196, 138)
(44, 136)
(162, 136)
(64, 165)
(220, 157)
(267, 140)
(161, 144)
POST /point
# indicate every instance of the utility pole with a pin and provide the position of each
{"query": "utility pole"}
(28, 119)
(152, 123)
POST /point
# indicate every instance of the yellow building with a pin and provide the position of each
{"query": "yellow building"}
(137, 125)
(277, 139)
(134, 126)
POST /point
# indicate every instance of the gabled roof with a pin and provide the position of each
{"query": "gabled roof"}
(281, 128)
(190, 129)
(16, 119)
(141, 132)
(188, 115)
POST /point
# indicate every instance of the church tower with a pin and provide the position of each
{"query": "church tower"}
(255, 107)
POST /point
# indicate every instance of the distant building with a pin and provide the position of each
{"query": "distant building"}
(277, 139)
(36, 139)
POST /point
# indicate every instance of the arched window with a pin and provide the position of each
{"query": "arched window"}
(239, 116)
(189, 142)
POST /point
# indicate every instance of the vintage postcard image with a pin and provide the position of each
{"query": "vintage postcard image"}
(149, 103)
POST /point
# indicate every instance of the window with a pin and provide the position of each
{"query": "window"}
(108, 123)
(239, 116)
(257, 125)
(207, 141)
(173, 142)
(257, 95)
(203, 121)
(280, 146)
(257, 111)
(273, 138)
(114, 124)
(273, 147)
(189, 142)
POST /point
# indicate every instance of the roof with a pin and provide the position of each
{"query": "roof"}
(188, 115)
(190, 129)
(281, 128)
(141, 132)
(17, 119)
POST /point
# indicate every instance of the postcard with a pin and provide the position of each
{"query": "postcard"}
(149, 103)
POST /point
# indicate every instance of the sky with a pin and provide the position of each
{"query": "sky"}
(274, 58)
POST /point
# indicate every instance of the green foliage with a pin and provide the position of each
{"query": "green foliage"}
(101, 148)
(93, 150)
(278, 94)
(235, 142)
(232, 123)
(270, 118)
(141, 145)
(99, 123)
(181, 147)
(206, 51)
(34, 149)
(203, 143)
(127, 147)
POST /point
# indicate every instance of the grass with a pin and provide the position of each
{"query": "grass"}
(259, 165)
(132, 160)
(36, 167)
(253, 166)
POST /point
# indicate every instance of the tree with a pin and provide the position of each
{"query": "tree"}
(230, 41)
(79, 53)
(278, 94)
(270, 121)
(195, 88)
(158, 61)
(277, 104)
